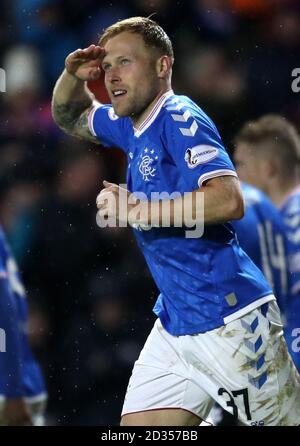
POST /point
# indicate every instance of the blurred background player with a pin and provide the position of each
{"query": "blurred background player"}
(267, 156)
(261, 234)
(22, 389)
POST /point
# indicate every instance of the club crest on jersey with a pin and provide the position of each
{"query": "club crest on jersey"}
(147, 159)
(199, 155)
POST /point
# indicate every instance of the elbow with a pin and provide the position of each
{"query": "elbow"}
(56, 115)
(237, 208)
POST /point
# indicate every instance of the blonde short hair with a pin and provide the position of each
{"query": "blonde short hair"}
(153, 34)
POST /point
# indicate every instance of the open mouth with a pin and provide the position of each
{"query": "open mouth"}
(119, 93)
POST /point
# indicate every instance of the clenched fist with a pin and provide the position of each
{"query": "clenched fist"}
(118, 207)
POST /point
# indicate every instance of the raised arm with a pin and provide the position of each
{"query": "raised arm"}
(72, 102)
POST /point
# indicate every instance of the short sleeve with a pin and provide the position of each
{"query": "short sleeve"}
(110, 129)
(196, 147)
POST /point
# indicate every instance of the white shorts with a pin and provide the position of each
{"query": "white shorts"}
(243, 365)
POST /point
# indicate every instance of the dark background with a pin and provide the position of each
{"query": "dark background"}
(89, 290)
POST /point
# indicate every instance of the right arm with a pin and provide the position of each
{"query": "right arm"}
(72, 102)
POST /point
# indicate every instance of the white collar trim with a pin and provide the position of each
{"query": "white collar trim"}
(153, 114)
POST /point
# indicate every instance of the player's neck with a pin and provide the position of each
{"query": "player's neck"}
(138, 120)
(279, 192)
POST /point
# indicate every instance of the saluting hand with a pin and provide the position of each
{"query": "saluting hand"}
(85, 63)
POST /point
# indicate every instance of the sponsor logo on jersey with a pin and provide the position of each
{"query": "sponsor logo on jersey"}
(199, 155)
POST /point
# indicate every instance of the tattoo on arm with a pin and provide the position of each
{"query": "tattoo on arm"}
(73, 118)
(66, 114)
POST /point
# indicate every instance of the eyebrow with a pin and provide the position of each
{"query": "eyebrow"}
(119, 57)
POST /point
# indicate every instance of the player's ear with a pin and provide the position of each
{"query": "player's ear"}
(163, 66)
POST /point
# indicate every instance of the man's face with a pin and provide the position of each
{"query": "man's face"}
(250, 168)
(130, 74)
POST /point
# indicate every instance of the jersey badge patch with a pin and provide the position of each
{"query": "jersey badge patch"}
(199, 155)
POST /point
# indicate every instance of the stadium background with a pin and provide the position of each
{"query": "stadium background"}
(89, 290)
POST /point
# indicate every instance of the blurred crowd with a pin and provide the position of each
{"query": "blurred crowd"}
(89, 290)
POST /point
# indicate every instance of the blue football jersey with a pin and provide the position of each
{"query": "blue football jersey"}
(262, 235)
(290, 211)
(20, 375)
(203, 282)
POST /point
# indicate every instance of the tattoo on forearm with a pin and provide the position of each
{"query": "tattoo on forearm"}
(70, 115)
(82, 121)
